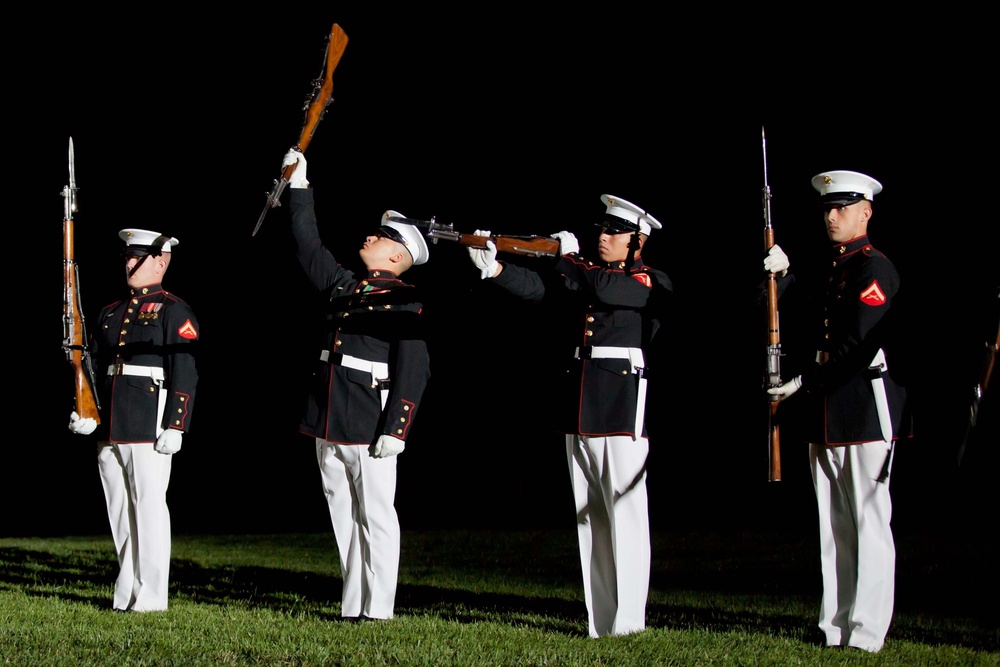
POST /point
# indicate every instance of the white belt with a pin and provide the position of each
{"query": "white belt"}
(636, 360)
(155, 373)
(378, 369)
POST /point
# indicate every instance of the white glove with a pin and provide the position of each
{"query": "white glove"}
(81, 426)
(776, 261)
(298, 177)
(485, 259)
(567, 243)
(169, 441)
(386, 446)
(786, 389)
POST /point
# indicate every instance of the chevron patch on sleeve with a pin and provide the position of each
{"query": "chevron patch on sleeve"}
(873, 295)
(643, 278)
(188, 331)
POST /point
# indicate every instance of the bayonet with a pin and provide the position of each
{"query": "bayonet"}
(69, 191)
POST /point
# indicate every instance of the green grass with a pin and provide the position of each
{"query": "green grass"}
(481, 598)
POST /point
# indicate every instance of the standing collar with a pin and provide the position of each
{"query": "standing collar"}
(143, 291)
(850, 247)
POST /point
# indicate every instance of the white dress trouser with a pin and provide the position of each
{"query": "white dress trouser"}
(857, 551)
(135, 479)
(360, 492)
(608, 477)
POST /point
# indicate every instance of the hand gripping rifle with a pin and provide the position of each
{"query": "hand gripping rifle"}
(315, 107)
(773, 374)
(74, 329)
(532, 246)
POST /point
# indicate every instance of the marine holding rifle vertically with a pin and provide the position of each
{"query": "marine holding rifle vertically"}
(856, 411)
(612, 308)
(365, 391)
(145, 349)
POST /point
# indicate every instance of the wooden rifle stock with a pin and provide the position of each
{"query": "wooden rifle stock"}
(773, 373)
(316, 104)
(538, 246)
(773, 368)
(74, 329)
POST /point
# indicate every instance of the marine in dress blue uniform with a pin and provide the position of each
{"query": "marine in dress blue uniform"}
(369, 379)
(616, 308)
(145, 350)
(856, 411)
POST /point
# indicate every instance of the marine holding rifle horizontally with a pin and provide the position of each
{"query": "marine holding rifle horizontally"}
(611, 307)
(365, 391)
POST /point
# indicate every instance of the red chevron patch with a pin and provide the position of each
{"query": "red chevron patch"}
(873, 295)
(188, 331)
(643, 278)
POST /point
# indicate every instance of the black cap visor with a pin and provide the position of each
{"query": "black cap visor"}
(140, 251)
(841, 198)
(612, 224)
(391, 233)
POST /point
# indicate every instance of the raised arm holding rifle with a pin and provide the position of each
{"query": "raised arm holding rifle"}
(612, 307)
(368, 381)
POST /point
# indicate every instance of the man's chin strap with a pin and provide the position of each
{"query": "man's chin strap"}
(633, 245)
(157, 243)
(137, 265)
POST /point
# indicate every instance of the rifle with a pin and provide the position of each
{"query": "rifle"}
(773, 373)
(74, 327)
(982, 383)
(316, 103)
(532, 246)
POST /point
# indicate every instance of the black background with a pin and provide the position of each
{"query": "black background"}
(504, 120)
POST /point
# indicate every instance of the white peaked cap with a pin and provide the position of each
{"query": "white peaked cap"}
(629, 212)
(146, 239)
(845, 187)
(408, 235)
